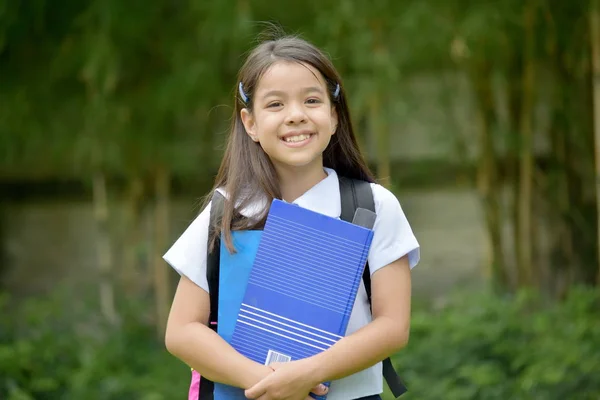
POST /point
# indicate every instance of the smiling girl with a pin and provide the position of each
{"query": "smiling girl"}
(291, 139)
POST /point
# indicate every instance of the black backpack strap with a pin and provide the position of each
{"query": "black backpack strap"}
(213, 256)
(358, 194)
(213, 262)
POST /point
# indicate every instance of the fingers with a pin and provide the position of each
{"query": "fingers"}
(320, 390)
(255, 392)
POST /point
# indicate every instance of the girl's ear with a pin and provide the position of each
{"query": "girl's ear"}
(249, 123)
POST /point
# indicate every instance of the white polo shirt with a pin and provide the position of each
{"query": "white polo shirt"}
(393, 238)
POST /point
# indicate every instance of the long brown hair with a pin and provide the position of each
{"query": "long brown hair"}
(246, 172)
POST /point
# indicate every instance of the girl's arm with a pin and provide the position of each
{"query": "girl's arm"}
(384, 336)
(190, 339)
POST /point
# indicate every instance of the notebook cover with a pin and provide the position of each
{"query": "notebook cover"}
(302, 286)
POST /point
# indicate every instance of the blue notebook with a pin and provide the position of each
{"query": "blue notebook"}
(302, 286)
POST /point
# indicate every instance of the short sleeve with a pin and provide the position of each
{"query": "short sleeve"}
(187, 255)
(393, 237)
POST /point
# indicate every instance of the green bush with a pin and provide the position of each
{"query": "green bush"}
(485, 347)
(51, 350)
(475, 347)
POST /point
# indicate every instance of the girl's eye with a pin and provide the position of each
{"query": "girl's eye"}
(274, 104)
(313, 101)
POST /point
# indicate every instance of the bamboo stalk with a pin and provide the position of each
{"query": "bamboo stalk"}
(104, 248)
(595, 50)
(133, 232)
(524, 205)
(487, 177)
(161, 273)
(378, 116)
(379, 129)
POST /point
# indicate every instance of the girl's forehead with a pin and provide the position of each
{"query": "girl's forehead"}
(285, 75)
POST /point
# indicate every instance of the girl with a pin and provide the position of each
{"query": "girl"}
(291, 138)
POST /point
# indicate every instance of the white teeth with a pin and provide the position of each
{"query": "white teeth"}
(299, 138)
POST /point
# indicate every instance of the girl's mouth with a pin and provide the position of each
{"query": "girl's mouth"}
(297, 140)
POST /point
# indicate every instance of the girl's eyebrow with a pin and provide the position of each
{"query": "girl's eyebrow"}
(281, 93)
(313, 89)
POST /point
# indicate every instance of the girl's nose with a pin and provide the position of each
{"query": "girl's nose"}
(296, 115)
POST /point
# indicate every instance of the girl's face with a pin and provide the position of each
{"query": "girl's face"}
(292, 118)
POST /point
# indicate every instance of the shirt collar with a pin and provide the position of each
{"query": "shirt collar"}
(323, 198)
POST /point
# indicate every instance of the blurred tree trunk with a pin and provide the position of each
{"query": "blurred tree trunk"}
(595, 50)
(133, 233)
(103, 247)
(361, 123)
(378, 105)
(524, 204)
(161, 228)
(561, 178)
(4, 262)
(562, 255)
(487, 180)
(587, 217)
(379, 128)
(515, 108)
(461, 140)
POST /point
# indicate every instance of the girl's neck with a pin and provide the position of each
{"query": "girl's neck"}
(294, 182)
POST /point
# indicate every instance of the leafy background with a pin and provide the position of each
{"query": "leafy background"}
(112, 113)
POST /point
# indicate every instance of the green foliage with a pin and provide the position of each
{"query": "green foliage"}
(126, 85)
(484, 347)
(50, 349)
(474, 347)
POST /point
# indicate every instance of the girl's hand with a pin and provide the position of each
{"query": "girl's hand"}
(256, 374)
(289, 381)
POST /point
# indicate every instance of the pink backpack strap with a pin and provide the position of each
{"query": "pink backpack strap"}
(194, 393)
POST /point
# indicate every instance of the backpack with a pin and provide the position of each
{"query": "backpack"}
(354, 194)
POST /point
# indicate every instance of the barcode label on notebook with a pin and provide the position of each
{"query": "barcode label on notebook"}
(273, 356)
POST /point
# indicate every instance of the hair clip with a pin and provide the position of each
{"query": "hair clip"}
(337, 91)
(242, 94)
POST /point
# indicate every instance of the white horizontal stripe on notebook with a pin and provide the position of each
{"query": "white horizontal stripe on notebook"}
(274, 249)
(287, 222)
(286, 331)
(302, 272)
(244, 312)
(301, 256)
(279, 334)
(312, 241)
(334, 293)
(310, 236)
(253, 345)
(304, 296)
(324, 270)
(287, 279)
(301, 240)
(290, 320)
(301, 243)
(260, 341)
